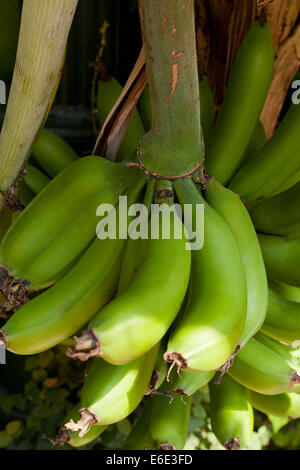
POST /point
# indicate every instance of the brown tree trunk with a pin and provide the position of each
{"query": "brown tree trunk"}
(220, 28)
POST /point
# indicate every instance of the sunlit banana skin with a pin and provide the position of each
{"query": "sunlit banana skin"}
(231, 208)
(248, 84)
(264, 369)
(284, 405)
(60, 311)
(110, 393)
(283, 319)
(61, 221)
(188, 383)
(140, 316)
(231, 413)
(211, 326)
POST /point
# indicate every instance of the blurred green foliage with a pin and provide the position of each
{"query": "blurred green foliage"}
(51, 386)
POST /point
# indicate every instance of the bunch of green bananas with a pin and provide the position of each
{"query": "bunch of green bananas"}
(142, 307)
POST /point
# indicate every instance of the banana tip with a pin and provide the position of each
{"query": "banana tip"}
(87, 346)
(176, 359)
(166, 447)
(295, 379)
(87, 420)
(232, 444)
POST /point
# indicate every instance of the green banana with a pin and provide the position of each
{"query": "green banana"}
(59, 312)
(35, 179)
(140, 437)
(140, 316)
(61, 220)
(285, 291)
(263, 365)
(248, 84)
(108, 93)
(169, 420)
(230, 207)
(211, 326)
(278, 160)
(24, 194)
(283, 319)
(52, 153)
(282, 257)
(231, 413)
(279, 215)
(160, 370)
(110, 393)
(188, 383)
(288, 183)
(10, 15)
(72, 438)
(284, 405)
(258, 140)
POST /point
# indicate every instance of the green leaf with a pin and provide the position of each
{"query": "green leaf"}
(13, 427)
(39, 375)
(5, 439)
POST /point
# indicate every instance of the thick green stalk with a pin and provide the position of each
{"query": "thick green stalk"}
(174, 145)
(43, 35)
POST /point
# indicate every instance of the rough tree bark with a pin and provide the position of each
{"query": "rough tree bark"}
(220, 28)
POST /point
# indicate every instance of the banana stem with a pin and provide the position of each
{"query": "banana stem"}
(174, 145)
(43, 35)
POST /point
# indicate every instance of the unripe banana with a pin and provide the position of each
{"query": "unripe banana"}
(72, 438)
(288, 183)
(61, 220)
(258, 140)
(35, 179)
(24, 194)
(260, 177)
(110, 393)
(230, 207)
(248, 84)
(52, 153)
(279, 215)
(231, 413)
(160, 370)
(210, 328)
(140, 437)
(146, 309)
(282, 258)
(188, 383)
(285, 291)
(284, 405)
(108, 93)
(170, 420)
(283, 319)
(264, 369)
(60, 311)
